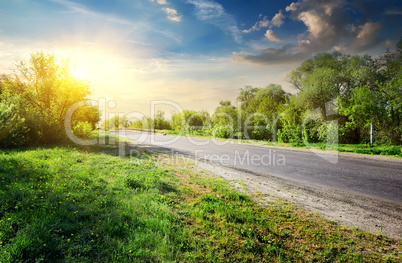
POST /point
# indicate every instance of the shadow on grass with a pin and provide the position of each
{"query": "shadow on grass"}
(39, 219)
(63, 204)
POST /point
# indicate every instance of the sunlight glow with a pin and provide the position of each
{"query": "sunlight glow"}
(80, 74)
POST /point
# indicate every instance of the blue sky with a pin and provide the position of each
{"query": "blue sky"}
(191, 52)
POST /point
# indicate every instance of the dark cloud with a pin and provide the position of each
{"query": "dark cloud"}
(272, 56)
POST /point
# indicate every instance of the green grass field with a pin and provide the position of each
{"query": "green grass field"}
(69, 204)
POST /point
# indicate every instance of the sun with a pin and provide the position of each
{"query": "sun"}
(80, 74)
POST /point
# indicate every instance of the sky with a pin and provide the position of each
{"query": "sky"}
(190, 53)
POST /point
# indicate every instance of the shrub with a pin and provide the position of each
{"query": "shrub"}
(260, 134)
(82, 129)
(223, 132)
(290, 133)
(13, 131)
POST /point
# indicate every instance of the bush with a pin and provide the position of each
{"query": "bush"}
(393, 150)
(239, 135)
(13, 131)
(290, 133)
(82, 129)
(260, 134)
(223, 132)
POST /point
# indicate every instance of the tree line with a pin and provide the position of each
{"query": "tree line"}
(339, 97)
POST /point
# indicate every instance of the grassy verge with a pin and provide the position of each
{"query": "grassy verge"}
(68, 204)
(384, 150)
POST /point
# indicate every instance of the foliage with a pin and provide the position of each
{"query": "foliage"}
(115, 123)
(160, 122)
(82, 129)
(189, 120)
(13, 131)
(87, 113)
(144, 123)
(339, 97)
(46, 89)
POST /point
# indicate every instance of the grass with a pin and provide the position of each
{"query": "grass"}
(384, 150)
(70, 204)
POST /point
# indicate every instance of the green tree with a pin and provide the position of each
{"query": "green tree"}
(13, 131)
(116, 122)
(160, 122)
(246, 94)
(225, 114)
(188, 120)
(87, 113)
(269, 100)
(47, 89)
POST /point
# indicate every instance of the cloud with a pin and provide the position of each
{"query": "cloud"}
(329, 27)
(260, 24)
(83, 10)
(367, 35)
(272, 56)
(161, 2)
(272, 36)
(277, 21)
(214, 13)
(172, 14)
(394, 11)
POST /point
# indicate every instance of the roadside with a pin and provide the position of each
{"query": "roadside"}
(375, 215)
(86, 204)
(363, 151)
(353, 210)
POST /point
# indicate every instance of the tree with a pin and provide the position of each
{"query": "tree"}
(225, 114)
(245, 95)
(268, 101)
(160, 122)
(47, 89)
(190, 120)
(12, 126)
(116, 122)
(88, 113)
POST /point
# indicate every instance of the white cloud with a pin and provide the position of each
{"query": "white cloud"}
(83, 10)
(328, 28)
(257, 26)
(172, 14)
(161, 2)
(292, 7)
(214, 13)
(318, 26)
(277, 21)
(272, 36)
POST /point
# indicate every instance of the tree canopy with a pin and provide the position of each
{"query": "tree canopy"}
(39, 93)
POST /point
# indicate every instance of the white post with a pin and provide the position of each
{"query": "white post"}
(371, 134)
